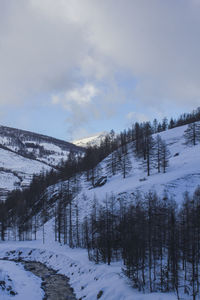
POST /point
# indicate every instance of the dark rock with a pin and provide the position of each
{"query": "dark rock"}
(13, 293)
(101, 181)
(2, 282)
(100, 293)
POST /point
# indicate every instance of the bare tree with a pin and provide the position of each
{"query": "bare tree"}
(165, 155)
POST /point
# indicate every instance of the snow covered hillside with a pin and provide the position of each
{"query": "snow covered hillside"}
(24, 153)
(183, 174)
(16, 171)
(35, 146)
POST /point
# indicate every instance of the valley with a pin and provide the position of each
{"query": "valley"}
(77, 219)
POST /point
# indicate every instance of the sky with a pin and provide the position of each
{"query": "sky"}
(72, 68)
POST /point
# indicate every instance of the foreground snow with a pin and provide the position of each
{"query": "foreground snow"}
(23, 283)
(87, 279)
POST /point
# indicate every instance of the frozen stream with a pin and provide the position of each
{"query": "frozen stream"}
(56, 286)
(33, 281)
(17, 283)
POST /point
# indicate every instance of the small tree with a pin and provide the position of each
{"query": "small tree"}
(164, 124)
(149, 161)
(111, 163)
(165, 154)
(124, 163)
(158, 144)
(162, 154)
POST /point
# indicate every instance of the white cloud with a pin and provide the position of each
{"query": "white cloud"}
(80, 96)
(157, 41)
(79, 103)
(38, 53)
(48, 46)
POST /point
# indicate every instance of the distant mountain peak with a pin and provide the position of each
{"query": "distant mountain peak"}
(92, 140)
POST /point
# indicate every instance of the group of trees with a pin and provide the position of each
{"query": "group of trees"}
(66, 215)
(158, 242)
(151, 150)
(154, 151)
(184, 119)
(192, 133)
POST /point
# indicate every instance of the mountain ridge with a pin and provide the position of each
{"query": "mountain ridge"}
(4, 128)
(30, 153)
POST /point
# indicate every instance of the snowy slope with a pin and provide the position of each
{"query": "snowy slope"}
(35, 146)
(24, 153)
(183, 174)
(16, 171)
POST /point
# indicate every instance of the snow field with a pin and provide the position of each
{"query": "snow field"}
(25, 284)
(87, 279)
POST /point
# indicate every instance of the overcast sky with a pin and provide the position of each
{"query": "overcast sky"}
(70, 68)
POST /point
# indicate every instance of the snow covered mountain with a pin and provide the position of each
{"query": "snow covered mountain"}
(93, 140)
(90, 280)
(24, 153)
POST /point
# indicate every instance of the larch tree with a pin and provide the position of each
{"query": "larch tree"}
(165, 155)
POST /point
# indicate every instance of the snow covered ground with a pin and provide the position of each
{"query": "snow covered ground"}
(20, 164)
(24, 284)
(87, 278)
